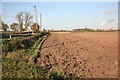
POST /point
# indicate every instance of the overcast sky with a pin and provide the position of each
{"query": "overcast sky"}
(66, 15)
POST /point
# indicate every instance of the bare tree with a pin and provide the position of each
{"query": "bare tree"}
(24, 18)
(27, 18)
(20, 20)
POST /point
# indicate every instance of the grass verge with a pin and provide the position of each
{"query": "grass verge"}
(18, 58)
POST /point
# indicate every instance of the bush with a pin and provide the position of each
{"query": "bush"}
(18, 43)
(55, 73)
(21, 42)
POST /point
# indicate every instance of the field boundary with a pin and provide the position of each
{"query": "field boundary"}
(39, 46)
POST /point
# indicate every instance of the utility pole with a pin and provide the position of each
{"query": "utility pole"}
(35, 15)
(40, 22)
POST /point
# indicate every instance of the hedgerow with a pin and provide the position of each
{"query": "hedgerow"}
(18, 59)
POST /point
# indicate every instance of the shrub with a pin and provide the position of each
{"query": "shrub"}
(18, 43)
(55, 73)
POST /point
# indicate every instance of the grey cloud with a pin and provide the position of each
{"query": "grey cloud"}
(109, 21)
(114, 11)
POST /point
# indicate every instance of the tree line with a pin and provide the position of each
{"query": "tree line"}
(23, 19)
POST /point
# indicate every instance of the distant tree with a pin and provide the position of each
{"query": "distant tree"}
(23, 29)
(24, 18)
(4, 26)
(34, 28)
(20, 20)
(14, 26)
(27, 18)
(44, 29)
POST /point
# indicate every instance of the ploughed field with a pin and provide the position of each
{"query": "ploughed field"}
(87, 54)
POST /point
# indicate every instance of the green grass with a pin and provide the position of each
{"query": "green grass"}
(19, 57)
(19, 65)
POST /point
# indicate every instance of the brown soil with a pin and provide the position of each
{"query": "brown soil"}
(87, 54)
